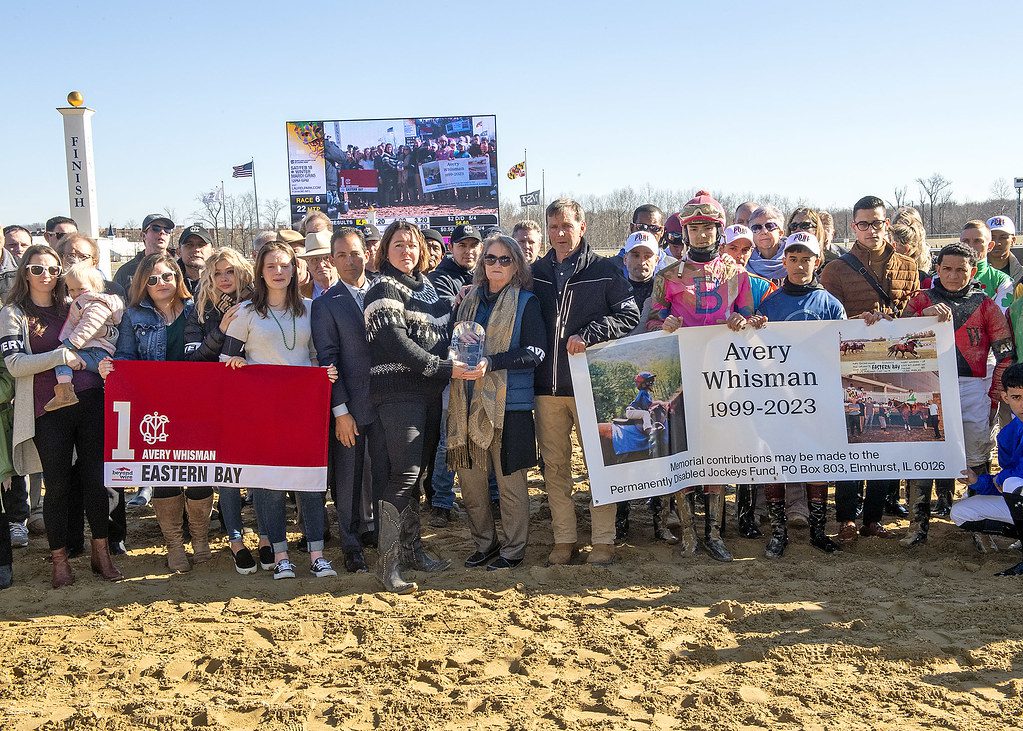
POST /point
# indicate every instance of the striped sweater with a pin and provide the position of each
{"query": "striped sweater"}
(408, 328)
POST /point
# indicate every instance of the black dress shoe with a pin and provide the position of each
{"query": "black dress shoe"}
(481, 557)
(368, 539)
(504, 563)
(896, 509)
(1016, 570)
(355, 562)
(118, 549)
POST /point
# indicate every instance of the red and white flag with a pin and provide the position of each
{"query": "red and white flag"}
(191, 424)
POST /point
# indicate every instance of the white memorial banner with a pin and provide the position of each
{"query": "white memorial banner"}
(792, 402)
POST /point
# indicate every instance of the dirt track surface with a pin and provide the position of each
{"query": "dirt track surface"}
(875, 637)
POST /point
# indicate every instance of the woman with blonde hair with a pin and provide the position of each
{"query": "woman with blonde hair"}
(225, 285)
(909, 237)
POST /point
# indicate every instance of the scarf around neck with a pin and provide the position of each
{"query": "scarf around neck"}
(772, 268)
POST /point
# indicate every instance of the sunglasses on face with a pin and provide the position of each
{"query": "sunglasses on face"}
(802, 226)
(648, 227)
(36, 270)
(864, 225)
(769, 226)
(673, 238)
(155, 279)
(491, 260)
(161, 229)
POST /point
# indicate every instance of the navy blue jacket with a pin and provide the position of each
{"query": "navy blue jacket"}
(339, 334)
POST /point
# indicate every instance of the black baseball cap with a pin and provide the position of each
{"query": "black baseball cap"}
(370, 232)
(433, 235)
(154, 218)
(195, 230)
(465, 231)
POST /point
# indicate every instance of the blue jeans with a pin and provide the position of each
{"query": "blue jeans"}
(270, 505)
(231, 511)
(91, 356)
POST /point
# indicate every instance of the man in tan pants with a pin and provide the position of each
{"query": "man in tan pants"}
(585, 299)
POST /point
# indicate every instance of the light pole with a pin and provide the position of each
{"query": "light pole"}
(1019, 200)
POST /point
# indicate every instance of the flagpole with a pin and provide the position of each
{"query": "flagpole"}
(543, 203)
(223, 206)
(255, 197)
(525, 162)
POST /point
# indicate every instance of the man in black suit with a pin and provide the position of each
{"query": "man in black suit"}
(339, 334)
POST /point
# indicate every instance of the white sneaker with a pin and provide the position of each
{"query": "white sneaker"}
(19, 535)
(322, 569)
(284, 570)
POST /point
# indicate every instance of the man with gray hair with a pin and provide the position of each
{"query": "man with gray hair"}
(528, 236)
(584, 299)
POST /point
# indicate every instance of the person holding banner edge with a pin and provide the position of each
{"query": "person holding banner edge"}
(226, 283)
(408, 327)
(153, 328)
(274, 328)
(47, 441)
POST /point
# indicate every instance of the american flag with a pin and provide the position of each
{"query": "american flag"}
(242, 171)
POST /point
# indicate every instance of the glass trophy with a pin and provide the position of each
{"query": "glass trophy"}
(467, 343)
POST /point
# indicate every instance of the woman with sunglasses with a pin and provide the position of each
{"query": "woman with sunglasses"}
(45, 441)
(153, 328)
(767, 223)
(225, 285)
(274, 328)
(408, 327)
(490, 415)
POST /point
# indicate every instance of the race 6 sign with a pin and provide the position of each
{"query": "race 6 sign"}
(192, 424)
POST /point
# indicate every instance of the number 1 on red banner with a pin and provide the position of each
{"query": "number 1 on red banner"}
(122, 450)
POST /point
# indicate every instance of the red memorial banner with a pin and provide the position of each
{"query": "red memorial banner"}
(185, 424)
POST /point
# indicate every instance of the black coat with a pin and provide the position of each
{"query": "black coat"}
(204, 340)
(597, 305)
(449, 278)
(339, 333)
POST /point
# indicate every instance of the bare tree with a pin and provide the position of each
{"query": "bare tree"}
(936, 191)
(171, 213)
(1001, 189)
(209, 214)
(901, 196)
(272, 210)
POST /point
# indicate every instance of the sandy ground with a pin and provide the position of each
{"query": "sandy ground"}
(876, 637)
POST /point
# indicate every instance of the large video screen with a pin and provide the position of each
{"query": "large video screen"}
(437, 172)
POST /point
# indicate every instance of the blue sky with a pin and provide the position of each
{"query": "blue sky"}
(822, 102)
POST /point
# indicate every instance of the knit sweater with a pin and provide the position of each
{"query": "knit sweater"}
(408, 327)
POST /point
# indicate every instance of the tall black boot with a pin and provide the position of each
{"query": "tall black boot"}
(622, 521)
(389, 544)
(661, 531)
(413, 554)
(942, 508)
(712, 526)
(919, 511)
(779, 525)
(1015, 502)
(745, 520)
(817, 498)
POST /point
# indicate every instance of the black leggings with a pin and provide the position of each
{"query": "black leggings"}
(411, 431)
(59, 435)
(191, 493)
(5, 535)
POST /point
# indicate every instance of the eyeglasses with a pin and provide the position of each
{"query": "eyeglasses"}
(491, 260)
(648, 227)
(36, 270)
(155, 279)
(769, 226)
(76, 256)
(802, 226)
(160, 229)
(864, 225)
(673, 238)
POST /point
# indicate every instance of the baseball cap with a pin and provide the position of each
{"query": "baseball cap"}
(642, 239)
(195, 230)
(370, 232)
(492, 230)
(433, 235)
(154, 218)
(804, 239)
(465, 231)
(1002, 223)
(737, 231)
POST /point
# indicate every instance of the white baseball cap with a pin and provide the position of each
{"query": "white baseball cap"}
(738, 231)
(804, 239)
(641, 238)
(1002, 223)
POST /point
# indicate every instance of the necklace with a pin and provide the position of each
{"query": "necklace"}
(294, 330)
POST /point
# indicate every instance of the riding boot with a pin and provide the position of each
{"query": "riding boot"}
(198, 512)
(982, 540)
(390, 552)
(688, 545)
(943, 506)
(660, 519)
(919, 511)
(414, 555)
(712, 526)
(817, 499)
(745, 520)
(1015, 502)
(62, 575)
(101, 561)
(169, 514)
(779, 526)
(622, 521)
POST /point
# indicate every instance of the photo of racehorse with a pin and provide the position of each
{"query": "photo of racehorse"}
(913, 346)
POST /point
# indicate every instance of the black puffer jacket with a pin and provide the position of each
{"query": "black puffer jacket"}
(597, 305)
(448, 279)
(203, 340)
